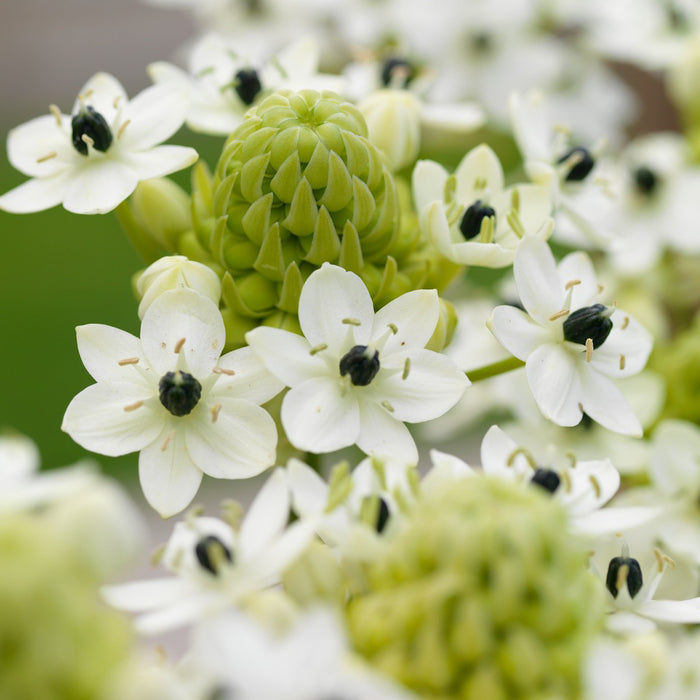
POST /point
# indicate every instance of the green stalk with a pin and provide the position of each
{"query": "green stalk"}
(495, 369)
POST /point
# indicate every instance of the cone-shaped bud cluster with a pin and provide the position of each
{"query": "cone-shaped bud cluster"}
(481, 592)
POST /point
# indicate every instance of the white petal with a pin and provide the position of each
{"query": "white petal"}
(267, 516)
(285, 354)
(537, 279)
(330, 295)
(251, 380)
(592, 485)
(309, 490)
(414, 315)
(683, 611)
(517, 332)
(628, 339)
(480, 165)
(675, 456)
(169, 478)
(177, 315)
(155, 115)
(96, 419)
(457, 117)
(499, 456)
(35, 195)
(428, 182)
(425, 388)
(605, 403)
(137, 596)
(234, 440)
(159, 161)
(28, 146)
(102, 348)
(554, 383)
(99, 186)
(381, 434)
(433, 222)
(195, 605)
(103, 92)
(608, 521)
(578, 267)
(317, 418)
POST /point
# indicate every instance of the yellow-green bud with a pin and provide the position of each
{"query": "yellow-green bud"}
(57, 639)
(480, 592)
(683, 81)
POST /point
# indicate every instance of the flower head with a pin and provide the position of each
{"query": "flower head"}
(92, 160)
(172, 397)
(356, 377)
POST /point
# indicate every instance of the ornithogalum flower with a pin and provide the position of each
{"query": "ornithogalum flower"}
(573, 348)
(356, 377)
(91, 160)
(172, 397)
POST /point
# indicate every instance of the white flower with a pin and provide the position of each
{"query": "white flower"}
(471, 218)
(223, 82)
(356, 377)
(170, 396)
(176, 272)
(92, 160)
(572, 347)
(310, 661)
(215, 565)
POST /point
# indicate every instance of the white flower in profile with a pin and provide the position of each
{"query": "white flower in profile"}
(573, 347)
(176, 272)
(310, 661)
(357, 376)
(92, 160)
(172, 397)
(217, 566)
(224, 80)
(471, 217)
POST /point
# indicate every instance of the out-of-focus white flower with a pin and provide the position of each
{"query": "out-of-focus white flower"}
(172, 397)
(92, 160)
(357, 376)
(216, 566)
(573, 349)
(470, 217)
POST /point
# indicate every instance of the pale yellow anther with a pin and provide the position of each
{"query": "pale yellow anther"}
(406, 368)
(567, 480)
(128, 361)
(571, 283)
(393, 327)
(157, 555)
(351, 322)
(318, 348)
(515, 199)
(133, 406)
(559, 314)
(622, 362)
(589, 349)
(48, 156)
(596, 485)
(625, 323)
(86, 139)
(525, 453)
(388, 406)
(663, 560)
(572, 458)
(122, 128)
(215, 410)
(480, 183)
(178, 345)
(600, 288)
(223, 370)
(622, 574)
(166, 442)
(116, 101)
(56, 114)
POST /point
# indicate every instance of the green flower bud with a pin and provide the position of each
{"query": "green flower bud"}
(57, 639)
(481, 592)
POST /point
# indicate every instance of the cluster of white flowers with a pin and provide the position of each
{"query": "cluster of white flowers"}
(509, 189)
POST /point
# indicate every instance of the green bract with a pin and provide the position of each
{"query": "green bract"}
(481, 593)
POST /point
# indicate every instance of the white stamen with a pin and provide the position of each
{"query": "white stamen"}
(133, 406)
(128, 361)
(571, 283)
(56, 113)
(559, 314)
(48, 156)
(352, 321)
(122, 128)
(406, 368)
(178, 345)
(215, 410)
(318, 348)
(223, 370)
(589, 349)
(622, 362)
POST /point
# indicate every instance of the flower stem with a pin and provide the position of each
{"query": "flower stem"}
(145, 246)
(495, 369)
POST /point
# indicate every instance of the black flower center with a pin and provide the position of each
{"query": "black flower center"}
(645, 181)
(589, 322)
(382, 515)
(624, 571)
(470, 226)
(89, 123)
(582, 163)
(360, 365)
(397, 72)
(547, 479)
(211, 553)
(179, 392)
(247, 85)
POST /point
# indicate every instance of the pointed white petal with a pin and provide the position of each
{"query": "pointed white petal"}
(159, 161)
(267, 516)
(605, 403)
(330, 295)
(309, 490)
(35, 195)
(554, 383)
(675, 457)
(479, 167)
(99, 186)
(592, 484)
(428, 182)
(500, 456)
(537, 279)
(137, 596)
(317, 418)
(607, 521)
(96, 418)
(682, 611)
(232, 439)
(102, 349)
(177, 315)
(30, 146)
(104, 93)
(577, 267)
(194, 606)
(383, 435)
(628, 339)
(517, 332)
(414, 316)
(169, 478)
(250, 381)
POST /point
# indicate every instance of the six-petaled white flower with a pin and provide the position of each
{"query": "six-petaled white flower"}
(170, 395)
(357, 376)
(92, 160)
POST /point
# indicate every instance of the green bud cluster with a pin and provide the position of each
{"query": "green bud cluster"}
(480, 593)
(57, 640)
